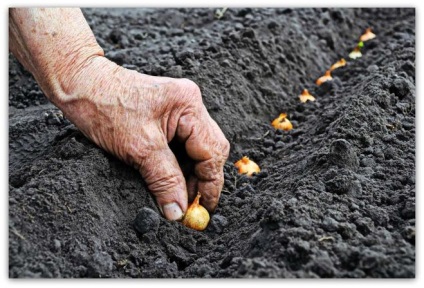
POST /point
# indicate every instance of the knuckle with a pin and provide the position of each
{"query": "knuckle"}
(190, 89)
(206, 170)
(190, 84)
(226, 148)
(222, 151)
(186, 94)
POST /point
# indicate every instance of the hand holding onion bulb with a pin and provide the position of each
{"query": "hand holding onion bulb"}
(196, 217)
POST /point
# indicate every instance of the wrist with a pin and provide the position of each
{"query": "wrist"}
(84, 95)
(65, 85)
(62, 86)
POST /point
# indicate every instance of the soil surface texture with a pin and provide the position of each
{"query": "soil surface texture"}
(335, 196)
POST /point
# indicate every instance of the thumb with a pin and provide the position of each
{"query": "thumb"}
(165, 180)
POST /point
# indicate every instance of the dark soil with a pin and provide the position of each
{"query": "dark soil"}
(335, 197)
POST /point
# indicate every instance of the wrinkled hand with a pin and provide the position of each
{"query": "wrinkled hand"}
(131, 115)
(134, 116)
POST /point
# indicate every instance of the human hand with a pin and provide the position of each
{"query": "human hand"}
(131, 115)
(134, 116)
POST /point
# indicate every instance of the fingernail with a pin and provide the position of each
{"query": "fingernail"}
(172, 211)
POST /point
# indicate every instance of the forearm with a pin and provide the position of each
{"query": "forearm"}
(54, 44)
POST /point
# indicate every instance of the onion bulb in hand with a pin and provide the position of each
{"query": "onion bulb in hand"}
(196, 217)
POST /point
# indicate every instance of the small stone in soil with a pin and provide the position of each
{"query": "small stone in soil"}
(147, 220)
(52, 119)
(57, 244)
(343, 155)
(279, 144)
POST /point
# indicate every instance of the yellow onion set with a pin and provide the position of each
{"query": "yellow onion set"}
(196, 217)
(247, 166)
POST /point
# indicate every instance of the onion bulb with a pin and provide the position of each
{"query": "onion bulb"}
(282, 123)
(356, 53)
(247, 166)
(368, 35)
(340, 63)
(327, 76)
(196, 217)
(305, 96)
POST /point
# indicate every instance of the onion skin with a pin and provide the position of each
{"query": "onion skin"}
(327, 76)
(356, 53)
(196, 217)
(338, 64)
(305, 96)
(282, 123)
(247, 166)
(368, 35)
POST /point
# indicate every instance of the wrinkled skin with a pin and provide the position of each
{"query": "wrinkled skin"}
(131, 115)
(135, 116)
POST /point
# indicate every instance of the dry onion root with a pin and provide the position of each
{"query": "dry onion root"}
(305, 96)
(282, 123)
(247, 166)
(338, 64)
(368, 35)
(327, 76)
(196, 217)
